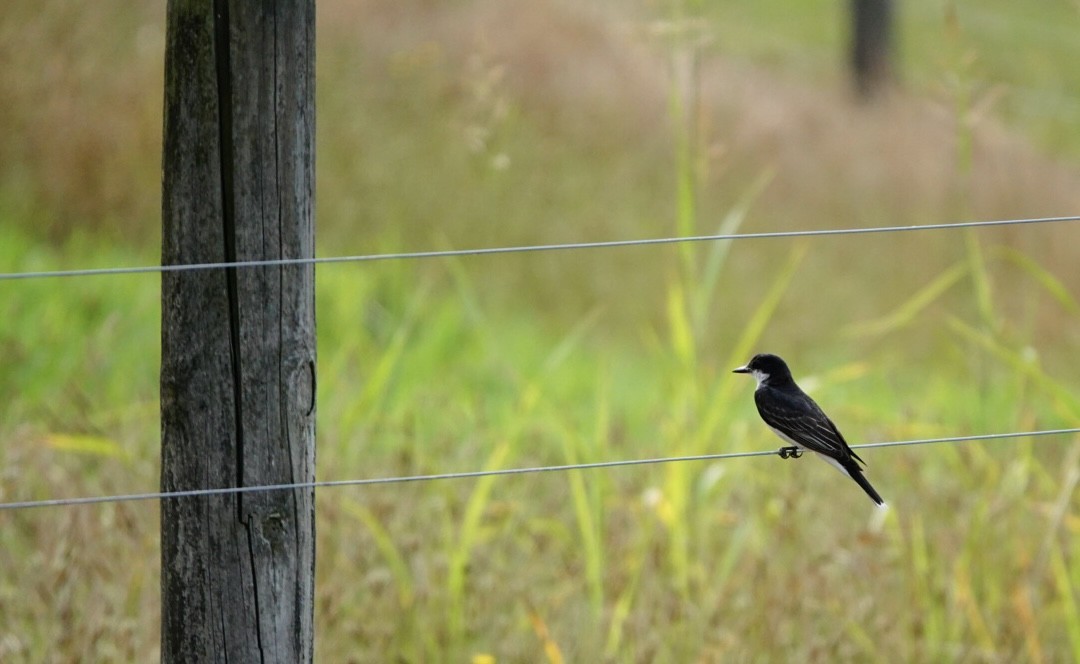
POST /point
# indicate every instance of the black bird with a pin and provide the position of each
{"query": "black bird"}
(798, 420)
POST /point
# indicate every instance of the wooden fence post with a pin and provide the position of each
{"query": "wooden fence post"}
(238, 345)
(871, 45)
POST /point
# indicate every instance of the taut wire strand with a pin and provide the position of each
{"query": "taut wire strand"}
(168, 495)
(412, 255)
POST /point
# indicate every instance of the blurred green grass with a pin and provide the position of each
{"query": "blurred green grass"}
(777, 555)
(475, 124)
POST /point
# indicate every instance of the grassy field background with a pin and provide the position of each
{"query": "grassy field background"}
(491, 123)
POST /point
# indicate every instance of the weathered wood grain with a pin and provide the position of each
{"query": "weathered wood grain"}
(238, 346)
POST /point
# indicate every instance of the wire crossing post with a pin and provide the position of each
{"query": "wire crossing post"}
(238, 344)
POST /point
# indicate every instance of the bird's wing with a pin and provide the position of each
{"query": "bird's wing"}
(801, 420)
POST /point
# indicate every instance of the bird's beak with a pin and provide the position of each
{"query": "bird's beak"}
(741, 370)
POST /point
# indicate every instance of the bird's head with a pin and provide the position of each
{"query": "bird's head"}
(766, 368)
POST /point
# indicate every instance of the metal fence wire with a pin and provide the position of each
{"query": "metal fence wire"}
(417, 255)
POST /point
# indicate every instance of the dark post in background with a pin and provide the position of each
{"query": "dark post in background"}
(871, 45)
(238, 345)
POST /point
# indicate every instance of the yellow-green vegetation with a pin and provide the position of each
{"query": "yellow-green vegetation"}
(487, 123)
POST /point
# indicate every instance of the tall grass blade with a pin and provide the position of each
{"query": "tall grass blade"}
(929, 606)
(744, 345)
(906, 313)
(1041, 276)
(588, 520)
(587, 497)
(570, 342)
(1028, 622)
(1064, 399)
(390, 553)
(980, 276)
(680, 326)
(1060, 510)
(375, 387)
(551, 649)
(859, 635)
(1066, 586)
(86, 444)
(621, 611)
(718, 253)
(736, 545)
(679, 107)
(964, 594)
(677, 493)
(468, 536)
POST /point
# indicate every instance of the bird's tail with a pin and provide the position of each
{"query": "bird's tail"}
(856, 474)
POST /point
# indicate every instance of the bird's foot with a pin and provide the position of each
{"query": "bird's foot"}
(790, 452)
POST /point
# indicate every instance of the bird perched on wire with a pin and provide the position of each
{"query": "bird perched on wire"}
(798, 420)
